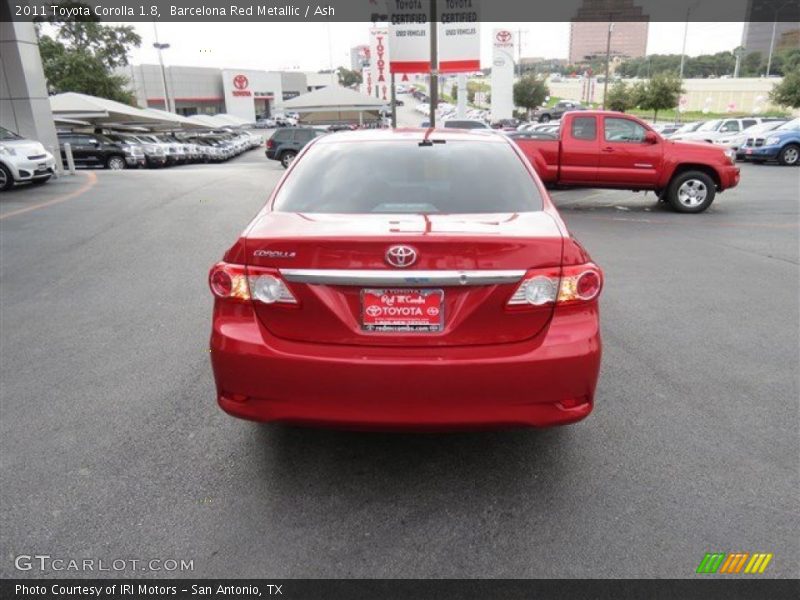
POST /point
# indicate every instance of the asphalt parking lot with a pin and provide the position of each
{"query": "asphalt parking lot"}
(112, 446)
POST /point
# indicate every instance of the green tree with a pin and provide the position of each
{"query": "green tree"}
(348, 78)
(787, 92)
(81, 55)
(530, 92)
(620, 97)
(661, 92)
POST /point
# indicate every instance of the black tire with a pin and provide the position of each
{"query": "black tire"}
(116, 163)
(544, 119)
(691, 192)
(789, 156)
(41, 180)
(6, 179)
(287, 158)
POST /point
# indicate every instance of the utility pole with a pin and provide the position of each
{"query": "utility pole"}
(434, 91)
(608, 58)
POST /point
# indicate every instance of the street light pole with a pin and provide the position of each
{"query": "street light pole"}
(772, 43)
(161, 47)
(608, 59)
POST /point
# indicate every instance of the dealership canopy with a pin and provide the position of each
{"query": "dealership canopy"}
(101, 111)
(333, 103)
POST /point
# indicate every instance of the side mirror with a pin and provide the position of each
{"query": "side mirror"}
(650, 137)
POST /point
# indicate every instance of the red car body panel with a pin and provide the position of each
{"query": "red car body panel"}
(492, 365)
(623, 165)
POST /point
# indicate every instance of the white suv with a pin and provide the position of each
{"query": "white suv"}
(23, 160)
(711, 131)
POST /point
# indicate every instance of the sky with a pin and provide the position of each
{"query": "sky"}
(315, 46)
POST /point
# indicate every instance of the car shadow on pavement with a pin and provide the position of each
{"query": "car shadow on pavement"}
(400, 466)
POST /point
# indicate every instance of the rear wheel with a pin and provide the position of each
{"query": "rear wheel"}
(544, 119)
(6, 179)
(790, 155)
(691, 192)
(287, 158)
(115, 163)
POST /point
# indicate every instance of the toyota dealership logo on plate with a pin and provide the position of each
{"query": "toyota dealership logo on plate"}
(240, 82)
(503, 36)
(401, 256)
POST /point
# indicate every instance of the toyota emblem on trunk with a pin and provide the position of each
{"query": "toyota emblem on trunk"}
(401, 256)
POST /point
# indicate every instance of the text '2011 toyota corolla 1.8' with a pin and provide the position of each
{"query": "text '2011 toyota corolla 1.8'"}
(407, 279)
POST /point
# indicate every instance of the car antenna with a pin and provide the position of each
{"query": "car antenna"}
(426, 141)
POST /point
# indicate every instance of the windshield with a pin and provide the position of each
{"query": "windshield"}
(403, 177)
(689, 127)
(764, 127)
(790, 126)
(709, 126)
(6, 135)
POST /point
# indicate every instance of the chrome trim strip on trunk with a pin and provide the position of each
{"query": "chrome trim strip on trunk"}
(378, 277)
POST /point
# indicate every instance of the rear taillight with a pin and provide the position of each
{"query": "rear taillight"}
(236, 282)
(270, 144)
(580, 283)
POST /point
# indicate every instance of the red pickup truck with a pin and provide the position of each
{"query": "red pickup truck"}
(613, 150)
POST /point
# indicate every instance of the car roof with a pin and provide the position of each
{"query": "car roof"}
(413, 134)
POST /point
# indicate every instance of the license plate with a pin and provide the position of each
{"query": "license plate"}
(42, 167)
(749, 151)
(402, 310)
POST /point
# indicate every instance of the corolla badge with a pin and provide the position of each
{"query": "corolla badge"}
(275, 253)
(401, 256)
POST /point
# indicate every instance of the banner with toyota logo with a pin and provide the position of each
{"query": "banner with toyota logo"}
(458, 37)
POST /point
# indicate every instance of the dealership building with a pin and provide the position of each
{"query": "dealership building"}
(245, 93)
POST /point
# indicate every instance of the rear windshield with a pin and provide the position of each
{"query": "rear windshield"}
(402, 177)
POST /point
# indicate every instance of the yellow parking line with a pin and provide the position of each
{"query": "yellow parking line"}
(91, 179)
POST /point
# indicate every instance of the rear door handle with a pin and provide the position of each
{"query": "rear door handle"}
(608, 149)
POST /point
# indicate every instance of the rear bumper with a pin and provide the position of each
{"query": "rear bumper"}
(549, 380)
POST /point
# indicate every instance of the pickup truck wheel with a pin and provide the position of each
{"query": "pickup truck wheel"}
(6, 179)
(115, 163)
(790, 155)
(287, 158)
(544, 119)
(691, 192)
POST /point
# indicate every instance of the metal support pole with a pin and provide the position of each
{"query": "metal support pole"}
(394, 100)
(434, 85)
(70, 159)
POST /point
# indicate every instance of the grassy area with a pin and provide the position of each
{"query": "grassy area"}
(683, 117)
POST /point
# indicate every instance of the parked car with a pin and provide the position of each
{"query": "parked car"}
(506, 124)
(553, 113)
(96, 150)
(736, 141)
(407, 281)
(460, 124)
(711, 131)
(685, 128)
(614, 150)
(285, 144)
(153, 154)
(782, 144)
(23, 160)
(665, 129)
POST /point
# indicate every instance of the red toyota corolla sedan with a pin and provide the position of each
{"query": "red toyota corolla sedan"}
(407, 279)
